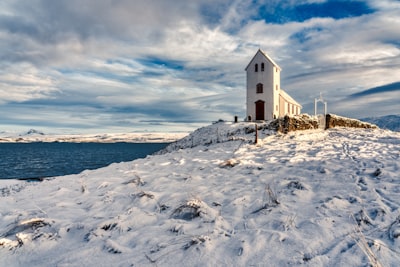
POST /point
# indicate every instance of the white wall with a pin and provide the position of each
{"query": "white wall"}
(288, 108)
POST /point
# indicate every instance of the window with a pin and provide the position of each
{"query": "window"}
(276, 87)
(256, 68)
(262, 66)
(260, 88)
(292, 109)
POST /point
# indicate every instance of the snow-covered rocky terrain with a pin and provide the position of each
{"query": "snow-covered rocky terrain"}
(136, 137)
(310, 198)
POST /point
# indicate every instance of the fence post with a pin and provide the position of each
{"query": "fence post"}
(256, 140)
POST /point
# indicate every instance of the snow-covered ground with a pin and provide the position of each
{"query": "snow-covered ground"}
(36, 136)
(310, 198)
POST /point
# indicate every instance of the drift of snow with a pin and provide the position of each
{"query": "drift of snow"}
(312, 198)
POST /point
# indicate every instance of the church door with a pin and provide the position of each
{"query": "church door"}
(260, 110)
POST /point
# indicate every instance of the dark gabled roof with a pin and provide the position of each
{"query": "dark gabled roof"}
(266, 56)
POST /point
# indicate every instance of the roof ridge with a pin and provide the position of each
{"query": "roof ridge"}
(266, 56)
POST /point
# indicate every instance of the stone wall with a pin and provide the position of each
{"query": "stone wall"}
(296, 123)
(333, 121)
(307, 122)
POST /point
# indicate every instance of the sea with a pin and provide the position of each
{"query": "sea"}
(35, 161)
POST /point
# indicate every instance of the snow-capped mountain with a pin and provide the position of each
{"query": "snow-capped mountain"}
(32, 132)
(309, 198)
(390, 122)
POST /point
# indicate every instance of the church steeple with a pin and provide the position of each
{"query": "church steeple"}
(265, 98)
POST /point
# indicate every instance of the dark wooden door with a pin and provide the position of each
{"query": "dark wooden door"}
(260, 110)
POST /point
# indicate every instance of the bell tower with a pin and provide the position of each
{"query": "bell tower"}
(263, 87)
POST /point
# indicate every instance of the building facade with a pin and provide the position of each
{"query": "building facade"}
(265, 100)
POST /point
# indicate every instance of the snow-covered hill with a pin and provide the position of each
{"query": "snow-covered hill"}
(390, 122)
(310, 198)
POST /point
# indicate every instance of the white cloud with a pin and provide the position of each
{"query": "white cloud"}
(69, 54)
(386, 5)
(368, 106)
(22, 82)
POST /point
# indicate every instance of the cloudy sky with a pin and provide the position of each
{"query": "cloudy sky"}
(158, 65)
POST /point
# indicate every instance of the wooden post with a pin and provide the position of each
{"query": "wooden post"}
(256, 141)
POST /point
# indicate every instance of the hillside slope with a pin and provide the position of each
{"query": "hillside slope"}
(310, 198)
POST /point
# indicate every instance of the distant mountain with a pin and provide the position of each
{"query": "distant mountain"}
(32, 132)
(390, 122)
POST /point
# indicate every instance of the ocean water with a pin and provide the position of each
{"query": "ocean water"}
(39, 160)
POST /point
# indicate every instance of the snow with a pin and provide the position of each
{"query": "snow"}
(214, 198)
(37, 136)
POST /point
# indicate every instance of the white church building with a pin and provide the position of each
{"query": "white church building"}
(265, 98)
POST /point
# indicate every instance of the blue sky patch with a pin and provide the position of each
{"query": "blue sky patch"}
(336, 9)
(305, 34)
(160, 62)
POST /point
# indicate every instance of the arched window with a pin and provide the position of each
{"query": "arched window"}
(262, 66)
(256, 68)
(260, 88)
